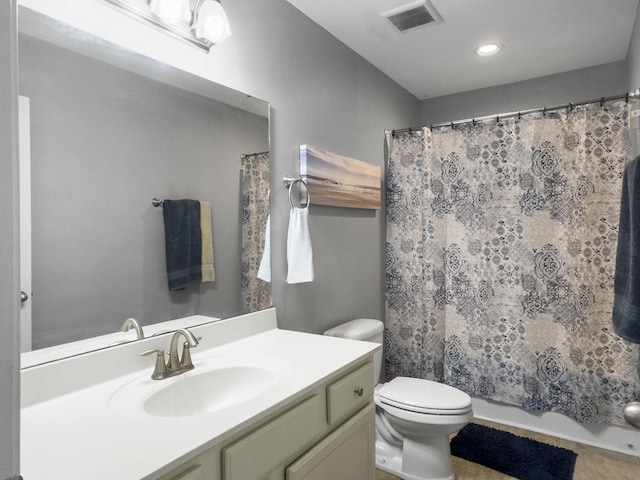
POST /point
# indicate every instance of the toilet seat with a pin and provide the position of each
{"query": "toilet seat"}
(430, 420)
(423, 396)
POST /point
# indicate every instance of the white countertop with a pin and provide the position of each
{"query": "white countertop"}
(70, 432)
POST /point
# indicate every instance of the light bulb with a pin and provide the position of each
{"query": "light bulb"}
(490, 48)
(211, 22)
(171, 11)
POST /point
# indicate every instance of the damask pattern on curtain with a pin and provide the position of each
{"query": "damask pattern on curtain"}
(256, 294)
(501, 242)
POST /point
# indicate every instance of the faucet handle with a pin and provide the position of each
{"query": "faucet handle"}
(160, 370)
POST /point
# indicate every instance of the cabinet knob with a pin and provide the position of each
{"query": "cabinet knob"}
(359, 391)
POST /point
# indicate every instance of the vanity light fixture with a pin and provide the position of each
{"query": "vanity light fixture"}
(487, 49)
(202, 27)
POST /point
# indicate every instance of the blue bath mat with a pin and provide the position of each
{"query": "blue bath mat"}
(510, 454)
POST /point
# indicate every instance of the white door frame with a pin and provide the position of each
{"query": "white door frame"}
(24, 149)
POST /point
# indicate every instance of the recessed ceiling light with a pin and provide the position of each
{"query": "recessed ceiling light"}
(489, 48)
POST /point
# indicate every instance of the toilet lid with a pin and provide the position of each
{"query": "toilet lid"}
(424, 396)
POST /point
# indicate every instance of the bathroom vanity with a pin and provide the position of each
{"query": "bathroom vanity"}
(261, 403)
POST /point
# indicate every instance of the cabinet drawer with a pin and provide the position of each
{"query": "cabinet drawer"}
(284, 438)
(349, 394)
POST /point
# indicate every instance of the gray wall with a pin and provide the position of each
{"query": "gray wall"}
(104, 142)
(9, 288)
(322, 94)
(633, 56)
(575, 86)
(325, 95)
(633, 61)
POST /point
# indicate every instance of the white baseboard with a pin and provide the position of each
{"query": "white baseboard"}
(610, 437)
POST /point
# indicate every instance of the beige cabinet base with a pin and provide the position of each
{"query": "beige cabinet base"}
(328, 434)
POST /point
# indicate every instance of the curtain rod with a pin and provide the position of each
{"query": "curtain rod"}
(497, 118)
(254, 154)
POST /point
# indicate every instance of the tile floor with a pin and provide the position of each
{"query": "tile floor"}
(592, 463)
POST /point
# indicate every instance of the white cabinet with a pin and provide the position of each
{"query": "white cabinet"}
(327, 433)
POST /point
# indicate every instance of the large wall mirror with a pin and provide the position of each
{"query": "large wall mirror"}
(106, 131)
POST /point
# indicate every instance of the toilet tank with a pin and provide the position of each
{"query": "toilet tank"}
(366, 329)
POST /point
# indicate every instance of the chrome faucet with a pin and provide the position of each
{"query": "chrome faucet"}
(132, 323)
(176, 364)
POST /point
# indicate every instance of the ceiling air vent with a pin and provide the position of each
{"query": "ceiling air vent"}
(413, 15)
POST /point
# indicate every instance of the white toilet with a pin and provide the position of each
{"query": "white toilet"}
(414, 417)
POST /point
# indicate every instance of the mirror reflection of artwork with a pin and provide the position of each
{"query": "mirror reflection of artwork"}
(256, 294)
(339, 181)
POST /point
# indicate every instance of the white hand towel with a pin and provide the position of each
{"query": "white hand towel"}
(264, 271)
(299, 251)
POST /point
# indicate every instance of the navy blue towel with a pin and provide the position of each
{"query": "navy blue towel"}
(626, 304)
(183, 242)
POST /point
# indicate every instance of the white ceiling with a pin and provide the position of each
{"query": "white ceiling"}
(540, 37)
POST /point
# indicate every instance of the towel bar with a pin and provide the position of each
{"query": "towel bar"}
(289, 182)
(156, 202)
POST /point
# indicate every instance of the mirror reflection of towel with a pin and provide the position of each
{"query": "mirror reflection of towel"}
(626, 303)
(208, 270)
(299, 250)
(264, 270)
(183, 242)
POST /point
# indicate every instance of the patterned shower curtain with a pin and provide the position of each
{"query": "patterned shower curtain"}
(501, 241)
(256, 294)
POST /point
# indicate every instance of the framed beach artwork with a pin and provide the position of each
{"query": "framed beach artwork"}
(339, 181)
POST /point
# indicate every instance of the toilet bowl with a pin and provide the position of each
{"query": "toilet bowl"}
(414, 417)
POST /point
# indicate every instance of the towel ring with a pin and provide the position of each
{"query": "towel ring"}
(293, 182)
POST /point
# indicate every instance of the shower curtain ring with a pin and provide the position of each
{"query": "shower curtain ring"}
(602, 102)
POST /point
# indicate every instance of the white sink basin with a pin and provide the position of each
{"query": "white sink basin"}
(216, 383)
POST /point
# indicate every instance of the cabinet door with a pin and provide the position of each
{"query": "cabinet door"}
(265, 452)
(346, 454)
(194, 473)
